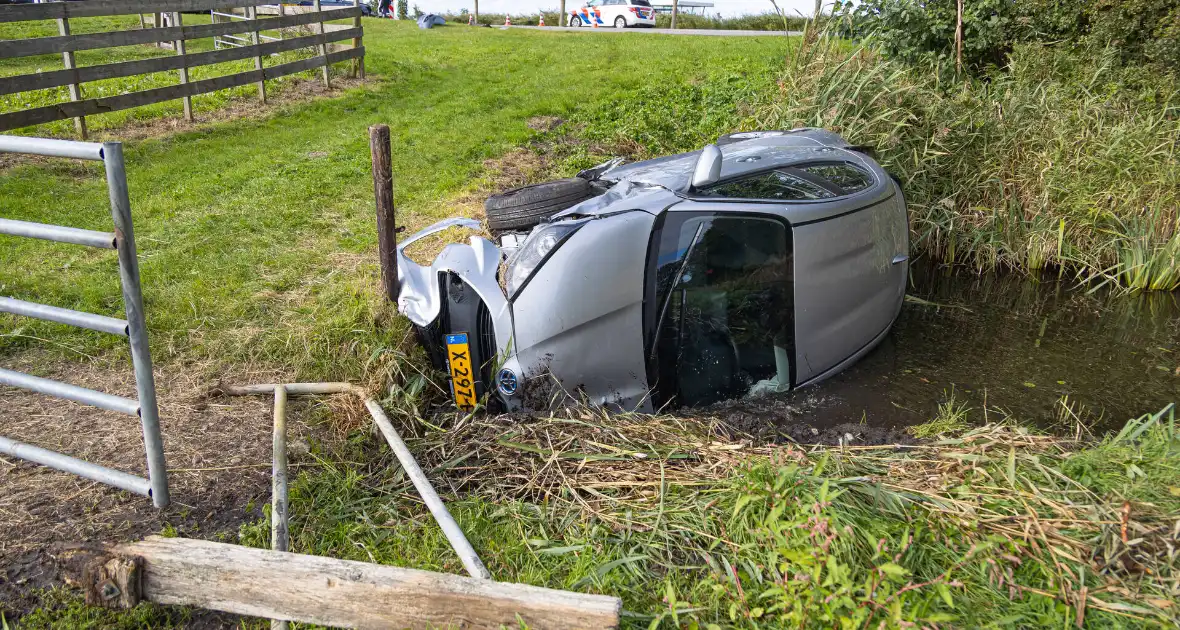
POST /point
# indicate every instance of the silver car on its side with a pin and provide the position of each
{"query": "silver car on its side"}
(765, 262)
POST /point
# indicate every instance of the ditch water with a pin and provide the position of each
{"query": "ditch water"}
(1002, 345)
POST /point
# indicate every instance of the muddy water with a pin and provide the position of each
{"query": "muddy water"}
(1002, 345)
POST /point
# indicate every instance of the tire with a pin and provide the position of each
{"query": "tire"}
(620, 22)
(576, 22)
(524, 207)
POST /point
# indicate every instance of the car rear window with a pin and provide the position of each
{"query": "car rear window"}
(640, 3)
(806, 182)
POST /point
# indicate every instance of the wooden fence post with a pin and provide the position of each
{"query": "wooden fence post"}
(180, 50)
(324, 51)
(386, 216)
(63, 28)
(252, 14)
(358, 65)
(675, 11)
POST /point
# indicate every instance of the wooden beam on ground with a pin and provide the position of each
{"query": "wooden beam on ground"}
(331, 592)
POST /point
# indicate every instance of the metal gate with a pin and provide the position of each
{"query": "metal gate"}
(123, 241)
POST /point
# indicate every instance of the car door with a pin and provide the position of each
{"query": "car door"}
(849, 247)
(592, 12)
(612, 9)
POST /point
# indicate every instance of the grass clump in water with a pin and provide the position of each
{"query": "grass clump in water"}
(952, 417)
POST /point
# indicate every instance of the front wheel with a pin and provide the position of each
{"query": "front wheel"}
(620, 22)
(576, 22)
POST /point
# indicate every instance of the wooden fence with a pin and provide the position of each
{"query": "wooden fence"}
(177, 34)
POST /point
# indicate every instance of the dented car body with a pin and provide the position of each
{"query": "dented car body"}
(766, 262)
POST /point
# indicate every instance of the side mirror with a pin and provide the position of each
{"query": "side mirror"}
(708, 169)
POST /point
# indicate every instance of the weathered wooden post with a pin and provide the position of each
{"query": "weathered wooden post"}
(358, 65)
(63, 28)
(675, 11)
(256, 39)
(179, 45)
(323, 46)
(386, 223)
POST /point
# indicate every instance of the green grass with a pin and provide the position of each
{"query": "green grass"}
(256, 236)
(856, 538)
(952, 416)
(258, 249)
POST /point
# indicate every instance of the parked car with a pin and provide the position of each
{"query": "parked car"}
(768, 261)
(616, 13)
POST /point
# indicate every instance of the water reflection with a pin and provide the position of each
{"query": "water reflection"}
(1008, 344)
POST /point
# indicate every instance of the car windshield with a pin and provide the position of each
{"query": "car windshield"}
(722, 287)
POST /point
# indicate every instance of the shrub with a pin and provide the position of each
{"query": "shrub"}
(925, 31)
(1139, 31)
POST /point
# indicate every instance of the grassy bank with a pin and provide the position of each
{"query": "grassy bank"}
(695, 527)
(258, 252)
(257, 235)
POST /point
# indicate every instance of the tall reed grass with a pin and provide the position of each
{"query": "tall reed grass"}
(1052, 161)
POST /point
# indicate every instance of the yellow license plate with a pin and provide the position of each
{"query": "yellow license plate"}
(462, 375)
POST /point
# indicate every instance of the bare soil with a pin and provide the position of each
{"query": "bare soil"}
(218, 452)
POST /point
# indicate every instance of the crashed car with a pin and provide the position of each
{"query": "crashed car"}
(765, 262)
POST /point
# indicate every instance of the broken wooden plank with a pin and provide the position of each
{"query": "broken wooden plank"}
(345, 593)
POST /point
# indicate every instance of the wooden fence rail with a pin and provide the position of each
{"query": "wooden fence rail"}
(66, 44)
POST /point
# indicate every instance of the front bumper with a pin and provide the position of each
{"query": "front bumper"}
(476, 264)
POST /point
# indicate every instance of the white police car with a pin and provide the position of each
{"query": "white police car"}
(616, 13)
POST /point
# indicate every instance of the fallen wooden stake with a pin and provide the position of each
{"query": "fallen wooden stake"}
(327, 591)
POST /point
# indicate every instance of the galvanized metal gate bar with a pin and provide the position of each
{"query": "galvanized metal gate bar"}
(134, 328)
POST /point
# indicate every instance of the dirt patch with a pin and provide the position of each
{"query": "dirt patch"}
(544, 123)
(793, 418)
(218, 452)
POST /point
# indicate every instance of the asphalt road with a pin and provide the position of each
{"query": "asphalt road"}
(665, 31)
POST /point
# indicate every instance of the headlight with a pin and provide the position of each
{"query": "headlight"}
(535, 249)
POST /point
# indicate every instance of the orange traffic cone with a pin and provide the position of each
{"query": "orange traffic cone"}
(507, 20)
(542, 23)
(594, 20)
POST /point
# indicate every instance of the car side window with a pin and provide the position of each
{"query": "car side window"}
(847, 177)
(807, 182)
